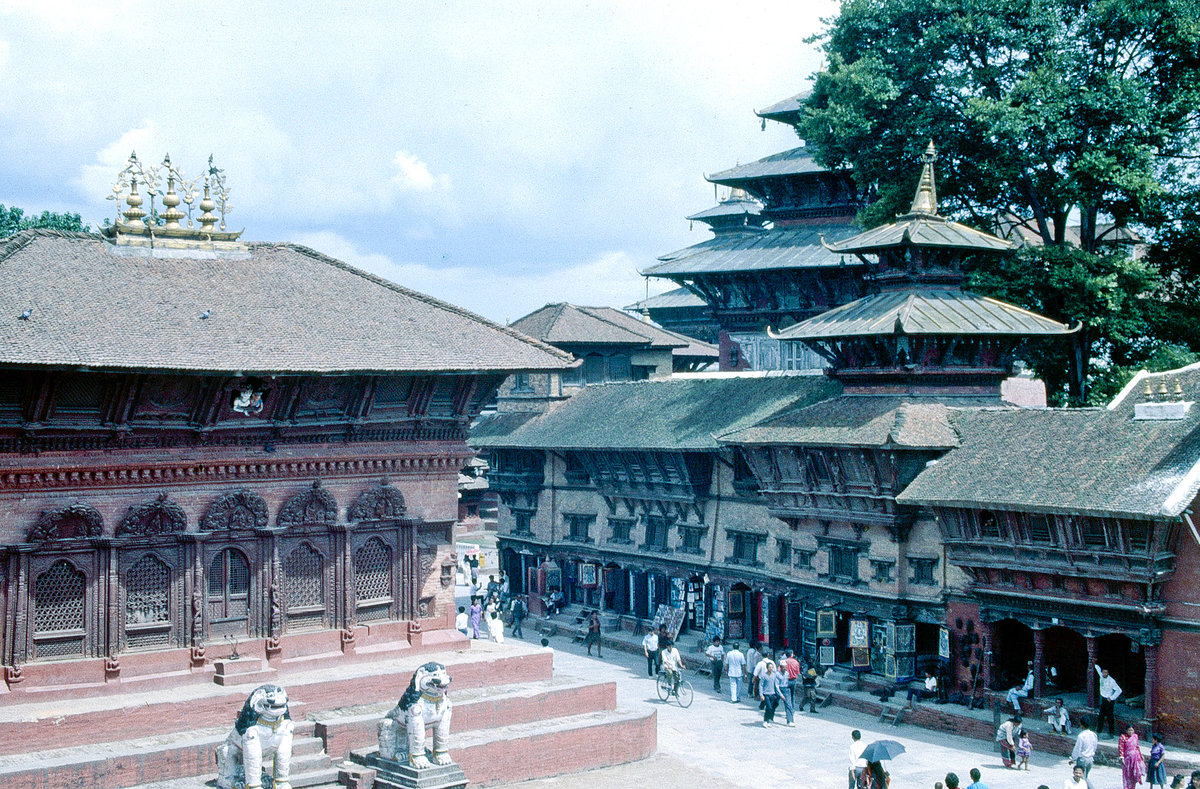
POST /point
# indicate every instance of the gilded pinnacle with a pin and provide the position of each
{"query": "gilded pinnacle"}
(925, 200)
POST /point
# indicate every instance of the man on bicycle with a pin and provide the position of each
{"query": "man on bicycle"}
(672, 664)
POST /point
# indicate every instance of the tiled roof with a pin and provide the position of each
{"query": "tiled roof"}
(1095, 461)
(942, 312)
(858, 420)
(780, 110)
(760, 250)
(672, 299)
(499, 424)
(272, 308)
(682, 415)
(923, 230)
(797, 161)
(567, 324)
(729, 208)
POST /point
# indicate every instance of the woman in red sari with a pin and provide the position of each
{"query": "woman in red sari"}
(1133, 766)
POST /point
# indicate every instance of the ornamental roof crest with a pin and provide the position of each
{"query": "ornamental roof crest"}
(184, 217)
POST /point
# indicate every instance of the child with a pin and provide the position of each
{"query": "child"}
(1024, 749)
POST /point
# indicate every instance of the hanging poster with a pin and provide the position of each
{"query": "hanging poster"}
(826, 623)
(860, 658)
(737, 602)
(587, 575)
(828, 656)
(944, 643)
(859, 633)
(670, 618)
(676, 599)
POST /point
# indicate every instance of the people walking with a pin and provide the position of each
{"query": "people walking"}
(1024, 751)
(716, 662)
(1129, 751)
(519, 611)
(735, 669)
(809, 685)
(476, 617)
(857, 763)
(650, 649)
(769, 690)
(593, 634)
(1157, 768)
(1110, 691)
(496, 627)
(1086, 742)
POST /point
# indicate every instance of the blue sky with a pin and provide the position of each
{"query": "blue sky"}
(499, 155)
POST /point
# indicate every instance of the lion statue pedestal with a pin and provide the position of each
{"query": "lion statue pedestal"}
(263, 731)
(403, 761)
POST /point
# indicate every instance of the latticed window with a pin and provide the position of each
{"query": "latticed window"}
(147, 603)
(228, 586)
(304, 587)
(58, 609)
(373, 579)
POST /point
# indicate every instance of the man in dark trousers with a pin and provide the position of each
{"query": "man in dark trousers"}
(519, 610)
(716, 662)
(1110, 691)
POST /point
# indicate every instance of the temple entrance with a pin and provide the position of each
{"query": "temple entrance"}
(1065, 651)
(1012, 649)
(228, 593)
(1125, 661)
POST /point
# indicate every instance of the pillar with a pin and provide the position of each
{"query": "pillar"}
(1093, 694)
(1151, 704)
(1039, 673)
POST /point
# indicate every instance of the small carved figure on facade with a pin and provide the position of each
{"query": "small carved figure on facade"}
(248, 400)
(263, 731)
(197, 616)
(402, 731)
(276, 610)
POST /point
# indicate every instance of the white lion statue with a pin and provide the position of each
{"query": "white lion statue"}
(402, 731)
(263, 731)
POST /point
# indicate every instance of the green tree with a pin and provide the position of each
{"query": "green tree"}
(13, 220)
(1055, 112)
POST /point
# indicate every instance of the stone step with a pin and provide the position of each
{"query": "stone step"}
(542, 749)
(39, 726)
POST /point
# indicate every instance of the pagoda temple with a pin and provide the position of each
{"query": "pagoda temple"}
(208, 445)
(767, 265)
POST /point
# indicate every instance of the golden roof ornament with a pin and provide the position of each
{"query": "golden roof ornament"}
(166, 228)
(925, 200)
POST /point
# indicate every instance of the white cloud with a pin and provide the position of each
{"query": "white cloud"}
(609, 280)
(414, 174)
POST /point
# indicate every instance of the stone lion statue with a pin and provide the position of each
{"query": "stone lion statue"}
(402, 731)
(263, 731)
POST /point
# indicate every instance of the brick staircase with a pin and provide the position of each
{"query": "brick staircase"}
(533, 725)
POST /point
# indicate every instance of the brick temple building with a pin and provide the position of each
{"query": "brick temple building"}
(205, 441)
(893, 515)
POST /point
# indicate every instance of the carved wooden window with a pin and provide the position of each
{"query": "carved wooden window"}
(923, 571)
(522, 520)
(843, 563)
(78, 395)
(579, 527)
(373, 580)
(621, 527)
(783, 552)
(1039, 529)
(520, 383)
(619, 368)
(593, 369)
(802, 560)
(989, 526)
(691, 537)
(58, 622)
(745, 547)
(881, 571)
(304, 587)
(656, 533)
(228, 587)
(147, 603)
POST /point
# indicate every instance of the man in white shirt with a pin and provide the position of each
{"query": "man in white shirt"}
(1059, 718)
(857, 763)
(1077, 780)
(1084, 753)
(1109, 691)
(753, 658)
(1021, 691)
(672, 664)
(716, 661)
(460, 620)
(650, 647)
(735, 669)
(760, 668)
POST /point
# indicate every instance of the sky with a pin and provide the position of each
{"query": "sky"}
(499, 155)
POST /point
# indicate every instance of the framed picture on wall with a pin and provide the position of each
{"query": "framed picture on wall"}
(826, 623)
(737, 603)
(860, 657)
(587, 574)
(944, 643)
(859, 633)
(828, 656)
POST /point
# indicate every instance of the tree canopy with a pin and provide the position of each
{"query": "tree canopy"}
(1073, 119)
(13, 220)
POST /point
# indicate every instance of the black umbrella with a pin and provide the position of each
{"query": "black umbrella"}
(882, 749)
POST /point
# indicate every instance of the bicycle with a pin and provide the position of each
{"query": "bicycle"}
(683, 693)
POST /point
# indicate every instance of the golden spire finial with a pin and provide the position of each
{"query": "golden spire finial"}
(925, 200)
(172, 214)
(1162, 388)
(1149, 390)
(1178, 389)
(133, 214)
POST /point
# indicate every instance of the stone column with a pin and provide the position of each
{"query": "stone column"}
(1150, 651)
(1039, 672)
(1093, 694)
